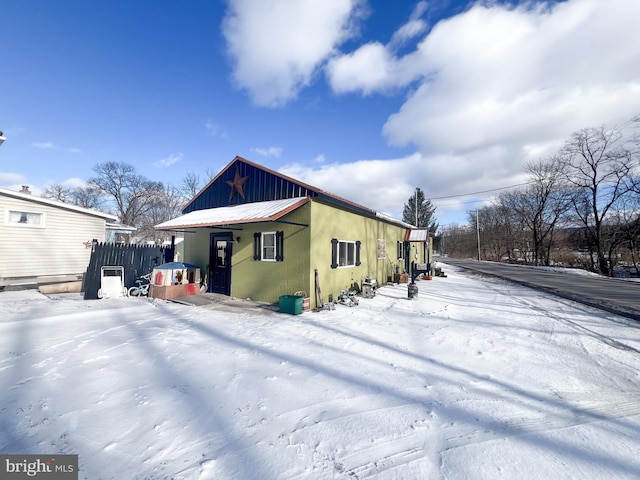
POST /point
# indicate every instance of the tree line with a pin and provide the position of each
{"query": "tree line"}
(136, 200)
(580, 207)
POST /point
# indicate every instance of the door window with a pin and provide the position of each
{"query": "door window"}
(221, 253)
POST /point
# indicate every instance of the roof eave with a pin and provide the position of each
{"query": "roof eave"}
(271, 218)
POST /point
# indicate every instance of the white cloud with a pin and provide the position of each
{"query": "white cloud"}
(44, 145)
(10, 180)
(369, 69)
(276, 46)
(383, 185)
(499, 76)
(497, 86)
(414, 27)
(74, 182)
(170, 160)
(484, 91)
(268, 152)
(215, 130)
(386, 185)
(74, 150)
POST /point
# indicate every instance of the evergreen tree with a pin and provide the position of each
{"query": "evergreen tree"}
(425, 210)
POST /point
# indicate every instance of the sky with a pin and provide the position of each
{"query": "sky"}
(367, 99)
(477, 379)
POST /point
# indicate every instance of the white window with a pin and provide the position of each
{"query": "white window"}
(346, 253)
(269, 246)
(24, 218)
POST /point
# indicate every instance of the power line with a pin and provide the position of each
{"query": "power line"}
(478, 193)
(468, 202)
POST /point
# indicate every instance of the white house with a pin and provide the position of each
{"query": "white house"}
(45, 241)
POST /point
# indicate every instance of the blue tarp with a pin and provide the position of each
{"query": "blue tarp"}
(175, 266)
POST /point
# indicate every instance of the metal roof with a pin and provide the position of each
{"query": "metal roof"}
(417, 235)
(243, 213)
(57, 204)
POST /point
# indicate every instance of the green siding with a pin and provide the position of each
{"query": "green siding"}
(305, 249)
(329, 222)
(266, 281)
(258, 280)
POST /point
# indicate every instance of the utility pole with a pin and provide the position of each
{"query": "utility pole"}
(478, 231)
(416, 207)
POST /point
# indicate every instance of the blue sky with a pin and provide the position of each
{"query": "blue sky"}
(367, 99)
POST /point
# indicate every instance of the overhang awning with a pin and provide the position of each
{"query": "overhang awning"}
(416, 235)
(269, 211)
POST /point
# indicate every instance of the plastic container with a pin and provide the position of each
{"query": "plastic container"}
(291, 304)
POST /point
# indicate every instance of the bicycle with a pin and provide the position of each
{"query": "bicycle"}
(142, 286)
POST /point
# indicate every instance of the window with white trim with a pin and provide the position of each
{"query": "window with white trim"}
(345, 253)
(268, 247)
(29, 219)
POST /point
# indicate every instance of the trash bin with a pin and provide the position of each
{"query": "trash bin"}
(291, 304)
(412, 290)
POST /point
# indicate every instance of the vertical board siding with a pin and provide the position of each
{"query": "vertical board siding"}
(137, 260)
(261, 186)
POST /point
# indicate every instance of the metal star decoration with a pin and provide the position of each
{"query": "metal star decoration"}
(236, 185)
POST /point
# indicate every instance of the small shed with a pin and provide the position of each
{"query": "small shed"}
(175, 279)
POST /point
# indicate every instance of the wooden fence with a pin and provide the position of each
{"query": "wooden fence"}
(136, 259)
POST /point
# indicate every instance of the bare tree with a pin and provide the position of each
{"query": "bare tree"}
(598, 164)
(189, 186)
(458, 241)
(540, 206)
(164, 205)
(497, 230)
(132, 194)
(57, 191)
(85, 197)
(88, 197)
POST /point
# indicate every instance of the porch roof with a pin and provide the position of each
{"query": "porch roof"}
(417, 235)
(244, 213)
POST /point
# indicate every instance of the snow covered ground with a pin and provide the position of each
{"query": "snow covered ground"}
(476, 379)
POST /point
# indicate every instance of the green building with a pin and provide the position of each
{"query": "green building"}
(259, 234)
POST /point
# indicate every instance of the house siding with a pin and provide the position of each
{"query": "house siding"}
(306, 248)
(55, 249)
(259, 280)
(328, 223)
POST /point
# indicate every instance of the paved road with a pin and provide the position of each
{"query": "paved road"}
(616, 296)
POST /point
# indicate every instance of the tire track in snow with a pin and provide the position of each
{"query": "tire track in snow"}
(569, 323)
(388, 453)
(459, 435)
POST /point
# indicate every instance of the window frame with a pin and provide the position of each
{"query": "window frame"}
(259, 246)
(273, 247)
(25, 224)
(340, 246)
